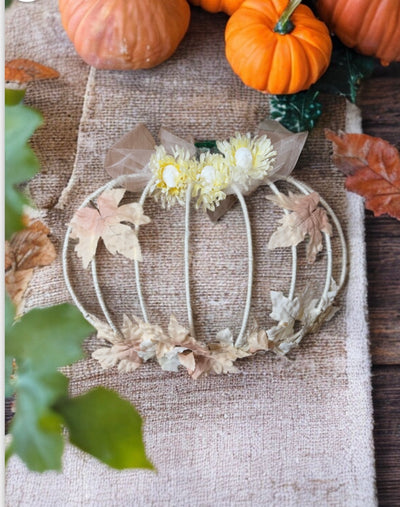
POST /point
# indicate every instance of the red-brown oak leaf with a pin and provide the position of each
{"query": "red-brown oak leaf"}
(372, 167)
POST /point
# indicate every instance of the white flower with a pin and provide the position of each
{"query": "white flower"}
(211, 178)
(171, 172)
(250, 159)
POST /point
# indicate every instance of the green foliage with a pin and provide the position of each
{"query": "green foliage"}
(99, 422)
(345, 72)
(297, 112)
(40, 342)
(7, 3)
(106, 427)
(300, 111)
(21, 163)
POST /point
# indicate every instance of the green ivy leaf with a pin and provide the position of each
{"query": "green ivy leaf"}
(13, 97)
(345, 72)
(107, 427)
(21, 163)
(48, 338)
(297, 112)
(36, 429)
(40, 342)
(8, 360)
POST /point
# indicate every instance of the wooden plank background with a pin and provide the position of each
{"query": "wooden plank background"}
(379, 100)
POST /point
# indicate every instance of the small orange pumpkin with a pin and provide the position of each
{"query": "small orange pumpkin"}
(228, 6)
(125, 34)
(372, 27)
(277, 46)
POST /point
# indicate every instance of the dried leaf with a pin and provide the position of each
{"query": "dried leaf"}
(26, 250)
(124, 350)
(257, 340)
(23, 70)
(307, 219)
(372, 167)
(91, 224)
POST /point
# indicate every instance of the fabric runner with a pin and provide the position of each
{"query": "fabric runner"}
(280, 432)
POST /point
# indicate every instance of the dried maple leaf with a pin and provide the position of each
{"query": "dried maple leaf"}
(307, 219)
(124, 349)
(23, 70)
(26, 250)
(372, 167)
(90, 224)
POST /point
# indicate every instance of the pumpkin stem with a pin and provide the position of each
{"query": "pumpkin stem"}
(284, 24)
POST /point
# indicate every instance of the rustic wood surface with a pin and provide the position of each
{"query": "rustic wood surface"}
(379, 101)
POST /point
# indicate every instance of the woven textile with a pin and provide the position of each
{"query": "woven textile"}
(279, 432)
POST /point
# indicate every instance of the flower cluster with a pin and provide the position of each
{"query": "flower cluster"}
(242, 161)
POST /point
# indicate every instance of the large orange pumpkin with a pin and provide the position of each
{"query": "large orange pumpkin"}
(277, 46)
(228, 6)
(125, 34)
(370, 26)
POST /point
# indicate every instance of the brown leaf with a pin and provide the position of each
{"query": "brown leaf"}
(91, 224)
(26, 250)
(372, 167)
(307, 219)
(23, 70)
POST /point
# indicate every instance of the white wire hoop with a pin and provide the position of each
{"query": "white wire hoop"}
(241, 338)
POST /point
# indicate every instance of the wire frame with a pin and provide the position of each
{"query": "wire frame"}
(241, 338)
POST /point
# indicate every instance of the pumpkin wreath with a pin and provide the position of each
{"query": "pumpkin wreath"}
(179, 172)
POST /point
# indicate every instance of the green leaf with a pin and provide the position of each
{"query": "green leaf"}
(8, 370)
(9, 313)
(345, 72)
(13, 97)
(40, 342)
(48, 338)
(107, 427)
(7, 3)
(36, 429)
(297, 112)
(21, 163)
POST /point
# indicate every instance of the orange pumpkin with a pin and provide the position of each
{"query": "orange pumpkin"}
(125, 34)
(228, 6)
(370, 26)
(277, 47)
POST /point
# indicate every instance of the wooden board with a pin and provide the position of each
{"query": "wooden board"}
(380, 103)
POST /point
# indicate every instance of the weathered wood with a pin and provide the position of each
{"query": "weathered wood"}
(383, 256)
(379, 100)
(386, 396)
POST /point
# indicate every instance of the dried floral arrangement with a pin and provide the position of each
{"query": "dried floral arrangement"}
(178, 171)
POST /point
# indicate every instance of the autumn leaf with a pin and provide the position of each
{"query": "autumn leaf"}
(26, 250)
(23, 70)
(90, 224)
(307, 219)
(372, 167)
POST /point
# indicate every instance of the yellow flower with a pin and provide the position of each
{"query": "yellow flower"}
(210, 178)
(171, 175)
(250, 159)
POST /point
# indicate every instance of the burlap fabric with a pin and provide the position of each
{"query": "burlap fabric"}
(278, 433)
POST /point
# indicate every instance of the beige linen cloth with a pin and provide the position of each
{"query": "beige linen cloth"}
(280, 432)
